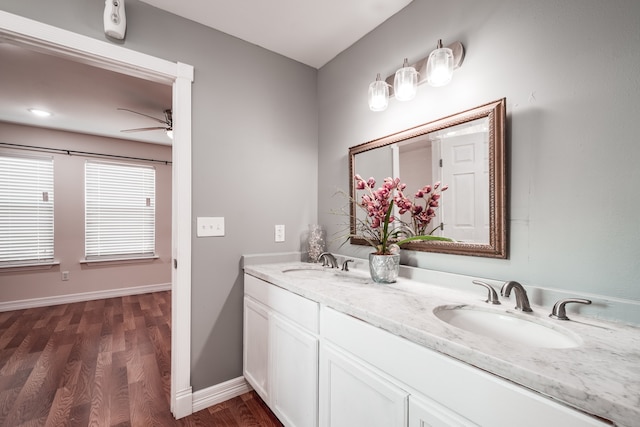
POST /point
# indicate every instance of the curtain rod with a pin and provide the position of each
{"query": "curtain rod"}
(84, 153)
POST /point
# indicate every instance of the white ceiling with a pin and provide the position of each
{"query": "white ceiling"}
(85, 99)
(310, 31)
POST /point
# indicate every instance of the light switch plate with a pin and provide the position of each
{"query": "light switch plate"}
(279, 232)
(210, 226)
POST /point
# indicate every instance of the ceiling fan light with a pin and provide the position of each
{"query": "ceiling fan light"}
(405, 82)
(40, 113)
(170, 133)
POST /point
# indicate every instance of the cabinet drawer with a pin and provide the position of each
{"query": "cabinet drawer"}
(302, 311)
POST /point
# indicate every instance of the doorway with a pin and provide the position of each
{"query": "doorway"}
(65, 44)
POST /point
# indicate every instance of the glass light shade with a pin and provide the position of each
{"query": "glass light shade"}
(440, 67)
(405, 83)
(378, 95)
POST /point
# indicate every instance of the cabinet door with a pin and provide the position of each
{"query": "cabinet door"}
(352, 394)
(427, 413)
(294, 374)
(255, 352)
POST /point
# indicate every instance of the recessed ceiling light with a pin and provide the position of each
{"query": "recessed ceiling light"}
(39, 113)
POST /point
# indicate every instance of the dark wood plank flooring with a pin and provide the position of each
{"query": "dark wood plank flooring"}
(101, 363)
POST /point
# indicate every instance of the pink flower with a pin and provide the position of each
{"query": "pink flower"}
(377, 202)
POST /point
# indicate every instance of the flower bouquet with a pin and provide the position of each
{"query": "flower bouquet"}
(380, 228)
(386, 233)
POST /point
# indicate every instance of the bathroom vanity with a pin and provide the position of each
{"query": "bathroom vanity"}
(329, 348)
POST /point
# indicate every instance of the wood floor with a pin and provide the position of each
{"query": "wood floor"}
(100, 363)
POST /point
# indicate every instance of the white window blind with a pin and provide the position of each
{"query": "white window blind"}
(26, 210)
(119, 210)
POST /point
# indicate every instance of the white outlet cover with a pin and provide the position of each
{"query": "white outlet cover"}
(279, 233)
(210, 226)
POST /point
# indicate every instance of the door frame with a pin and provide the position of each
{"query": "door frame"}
(76, 47)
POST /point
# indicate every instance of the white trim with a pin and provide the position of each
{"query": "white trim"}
(46, 265)
(80, 48)
(219, 393)
(181, 247)
(84, 296)
(123, 260)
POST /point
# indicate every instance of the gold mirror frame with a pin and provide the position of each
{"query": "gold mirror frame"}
(496, 113)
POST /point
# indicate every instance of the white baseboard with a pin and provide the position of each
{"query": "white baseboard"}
(183, 404)
(218, 393)
(85, 296)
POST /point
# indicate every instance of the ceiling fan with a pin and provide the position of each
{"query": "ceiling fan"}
(167, 122)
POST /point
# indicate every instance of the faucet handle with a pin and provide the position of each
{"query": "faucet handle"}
(559, 312)
(492, 296)
(345, 264)
(328, 260)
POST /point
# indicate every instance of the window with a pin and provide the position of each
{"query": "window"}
(26, 210)
(119, 211)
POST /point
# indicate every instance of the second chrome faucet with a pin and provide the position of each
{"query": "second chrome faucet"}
(522, 301)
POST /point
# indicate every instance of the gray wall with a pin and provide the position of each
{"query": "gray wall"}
(254, 156)
(569, 71)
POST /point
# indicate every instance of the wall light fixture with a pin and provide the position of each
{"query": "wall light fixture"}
(436, 69)
(405, 82)
(378, 95)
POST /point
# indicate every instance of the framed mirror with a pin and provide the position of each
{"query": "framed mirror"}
(466, 152)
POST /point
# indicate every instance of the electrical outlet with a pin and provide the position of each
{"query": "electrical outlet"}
(279, 232)
(65, 276)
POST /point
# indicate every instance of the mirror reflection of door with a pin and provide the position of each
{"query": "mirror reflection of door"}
(458, 157)
(465, 168)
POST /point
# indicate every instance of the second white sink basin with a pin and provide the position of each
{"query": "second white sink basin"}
(503, 326)
(327, 273)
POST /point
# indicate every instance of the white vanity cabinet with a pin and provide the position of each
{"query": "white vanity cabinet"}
(280, 355)
(318, 367)
(352, 394)
(441, 391)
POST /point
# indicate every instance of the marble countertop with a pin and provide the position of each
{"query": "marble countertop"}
(600, 377)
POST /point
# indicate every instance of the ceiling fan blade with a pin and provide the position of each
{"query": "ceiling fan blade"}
(141, 114)
(143, 129)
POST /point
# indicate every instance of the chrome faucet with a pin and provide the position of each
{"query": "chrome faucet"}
(492, 296)
(328, 260)
(522, 301)
(345, 264)
(560, 313)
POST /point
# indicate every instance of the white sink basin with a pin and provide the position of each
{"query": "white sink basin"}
(327, 273)
(503, 326)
